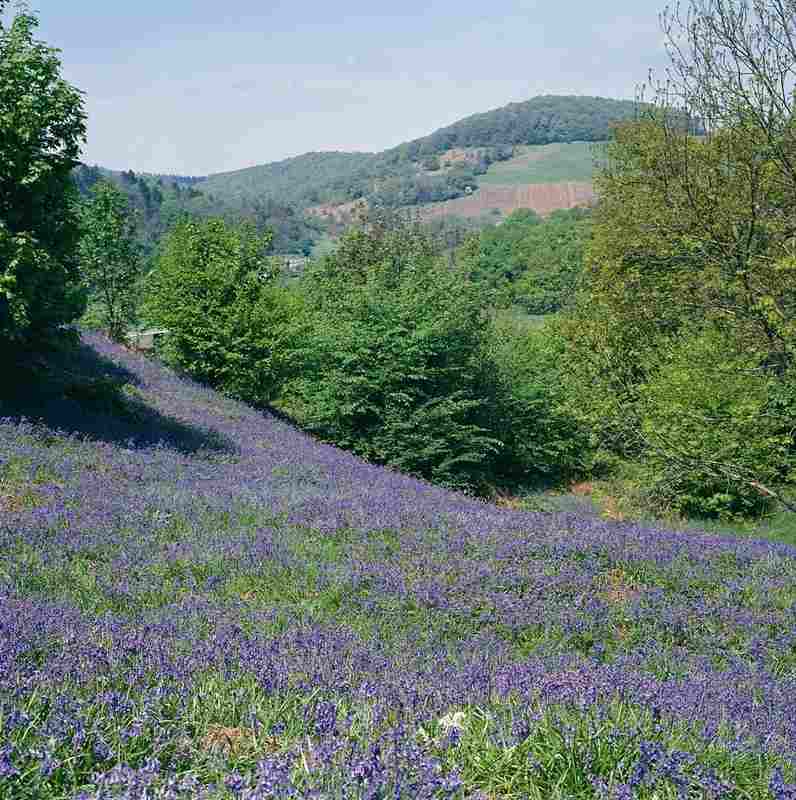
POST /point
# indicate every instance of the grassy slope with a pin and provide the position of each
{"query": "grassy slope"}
(550, 163)
(240, 607)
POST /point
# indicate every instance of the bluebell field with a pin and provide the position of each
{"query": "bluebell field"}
(199, 601)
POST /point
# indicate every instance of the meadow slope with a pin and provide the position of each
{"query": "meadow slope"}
(197, 600)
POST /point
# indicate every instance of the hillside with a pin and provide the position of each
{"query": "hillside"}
(500, 160)
(200, 601)
(469, 164)
(446, 164)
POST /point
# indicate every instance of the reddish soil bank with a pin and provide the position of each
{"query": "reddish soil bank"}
(541, 197)
(343, 212)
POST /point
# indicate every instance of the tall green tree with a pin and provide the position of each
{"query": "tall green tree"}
(42, 127)
(691, 276)
(397, 367)
(109, 255)
(230, 323)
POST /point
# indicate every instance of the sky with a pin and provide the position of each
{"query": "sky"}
(194, 87)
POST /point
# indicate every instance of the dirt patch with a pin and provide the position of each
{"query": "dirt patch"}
(507, 501)
(343, 213)
(611, 509)
(231, 741)
(616, 586)
(543, 198)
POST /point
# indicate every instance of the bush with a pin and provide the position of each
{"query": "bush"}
(717, 429)
(398, 368)
(229, 322)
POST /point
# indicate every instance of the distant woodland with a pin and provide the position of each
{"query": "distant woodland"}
(442, 166)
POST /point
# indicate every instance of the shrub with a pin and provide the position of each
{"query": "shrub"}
(398, 368)
(229, 322)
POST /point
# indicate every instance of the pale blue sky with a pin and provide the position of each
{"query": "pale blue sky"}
(194, 86)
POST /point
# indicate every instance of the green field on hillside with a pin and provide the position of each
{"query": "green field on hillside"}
(548, 163)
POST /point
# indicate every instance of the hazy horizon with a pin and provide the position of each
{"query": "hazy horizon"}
(187, 90)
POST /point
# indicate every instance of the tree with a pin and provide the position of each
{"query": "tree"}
(229, 323)
(109, 257)
(693, 244)
(42, 126)
(397, 368)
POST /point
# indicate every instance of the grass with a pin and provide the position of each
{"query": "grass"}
(550, 163)
(261, 616)
(610, 499)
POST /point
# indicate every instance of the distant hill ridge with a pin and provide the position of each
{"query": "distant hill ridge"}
(412, 173)
(539, 141)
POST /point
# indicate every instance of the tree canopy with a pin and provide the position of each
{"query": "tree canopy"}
(686, 331)
(42, 128)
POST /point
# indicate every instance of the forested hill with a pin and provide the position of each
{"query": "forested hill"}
(160, 200)
(419, 171)
(442, 166)
(542, 120)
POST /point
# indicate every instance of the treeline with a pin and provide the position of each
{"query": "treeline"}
(540, 120)
(385, 347)
(393, 346)
(160, 201)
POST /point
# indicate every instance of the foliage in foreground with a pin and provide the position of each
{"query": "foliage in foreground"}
(685, 334)
(42, 126)
(239, 611)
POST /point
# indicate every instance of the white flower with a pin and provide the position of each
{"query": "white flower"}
(456, 720)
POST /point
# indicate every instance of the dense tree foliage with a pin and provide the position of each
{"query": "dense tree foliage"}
(162, 200)
(530, 261)
(406, 366)
(109, 255)
(685, 334)
(42, 126)
(230, 324)
(540, 120)
(397, 365)
(544, 443)
(316, 178)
